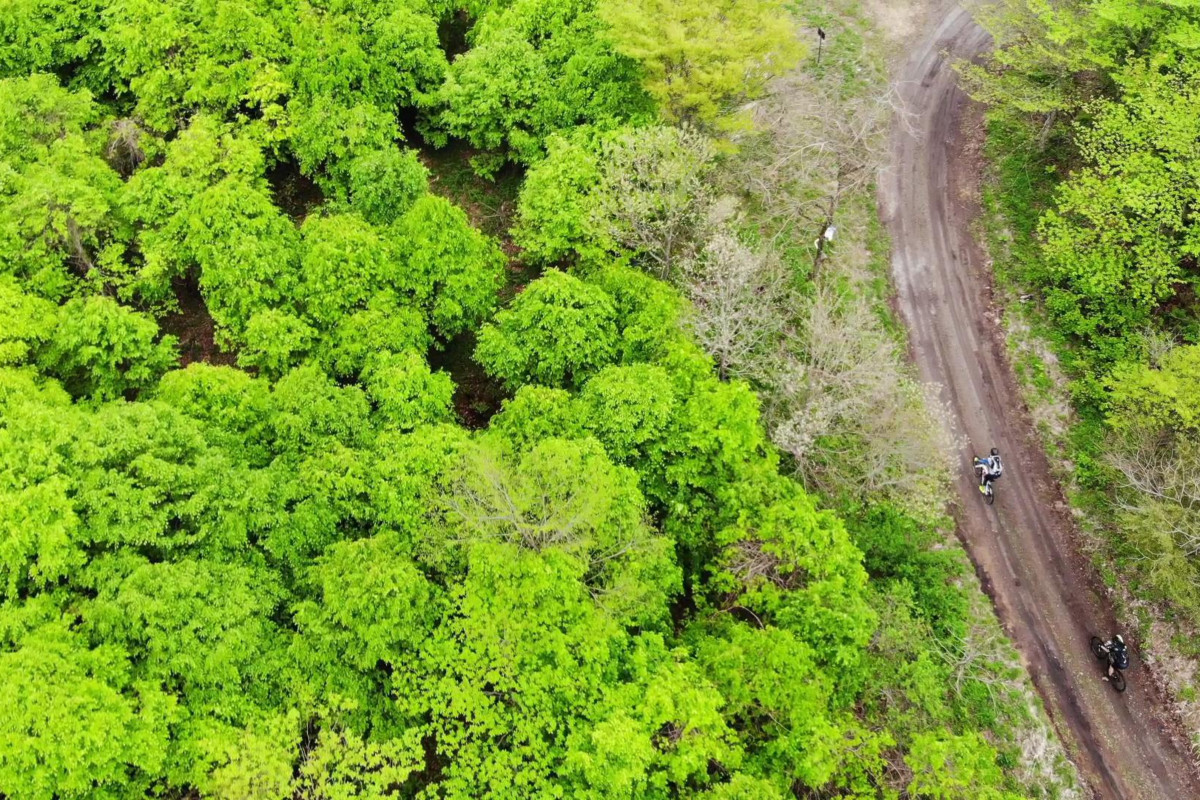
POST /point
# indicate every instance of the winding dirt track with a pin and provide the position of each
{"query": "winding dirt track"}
(1045, 590)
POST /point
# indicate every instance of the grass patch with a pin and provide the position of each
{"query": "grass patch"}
(491, 204)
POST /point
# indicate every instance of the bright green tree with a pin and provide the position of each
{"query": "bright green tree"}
(102, 349)
(536, 67)
(406, 393)
(175, 56)
(74, 723)
(557, 332)
(702, 59)
(386, 324)
(554, 211)
(60, 206)
(450, 270)
(950, 767)
(1122, 232)
(344, 261)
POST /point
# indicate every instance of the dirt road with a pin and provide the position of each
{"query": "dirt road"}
(1045, 591)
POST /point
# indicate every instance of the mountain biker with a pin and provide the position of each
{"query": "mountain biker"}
(1118, 655)
(990, 468)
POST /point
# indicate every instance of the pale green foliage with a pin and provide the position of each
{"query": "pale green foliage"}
(257, 764)
(37, 111)
(1153, 453)
(558, 332)
(701, 59)
(344, 766)
(1165, 396)
(652, 198)
(566, 496)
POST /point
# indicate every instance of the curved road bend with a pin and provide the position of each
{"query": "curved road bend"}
(1045, 590)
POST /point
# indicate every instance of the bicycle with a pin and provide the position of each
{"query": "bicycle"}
(1118, 677)
(989, 491)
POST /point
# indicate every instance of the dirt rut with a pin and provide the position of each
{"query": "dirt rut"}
(1046, 592)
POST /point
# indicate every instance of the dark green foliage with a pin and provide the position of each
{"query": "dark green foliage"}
(896, 548)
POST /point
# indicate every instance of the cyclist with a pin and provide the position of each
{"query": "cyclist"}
(1118, 655)
(990, 468)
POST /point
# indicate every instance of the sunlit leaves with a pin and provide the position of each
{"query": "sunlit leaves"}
(558, 332)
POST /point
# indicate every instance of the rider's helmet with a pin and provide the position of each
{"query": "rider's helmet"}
(995, 452)
(1119, 640)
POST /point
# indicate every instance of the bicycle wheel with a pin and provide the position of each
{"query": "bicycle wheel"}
(990, 496)
(1118, 680)
(1098, 648)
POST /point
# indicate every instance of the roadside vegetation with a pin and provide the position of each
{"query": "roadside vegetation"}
(1093, 142)
(668, 523)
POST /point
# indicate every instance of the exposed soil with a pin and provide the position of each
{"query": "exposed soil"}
(295, 193)
(1025, 547)
(476, 396)
(490, 204)
(194, 327)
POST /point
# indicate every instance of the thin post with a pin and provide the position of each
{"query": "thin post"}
(820, 44)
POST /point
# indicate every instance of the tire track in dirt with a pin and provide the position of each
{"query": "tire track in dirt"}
(1045, 590)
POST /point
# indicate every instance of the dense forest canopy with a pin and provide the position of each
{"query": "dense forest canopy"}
(274, 563)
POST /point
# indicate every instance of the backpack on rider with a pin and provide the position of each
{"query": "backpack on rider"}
(990, 468)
